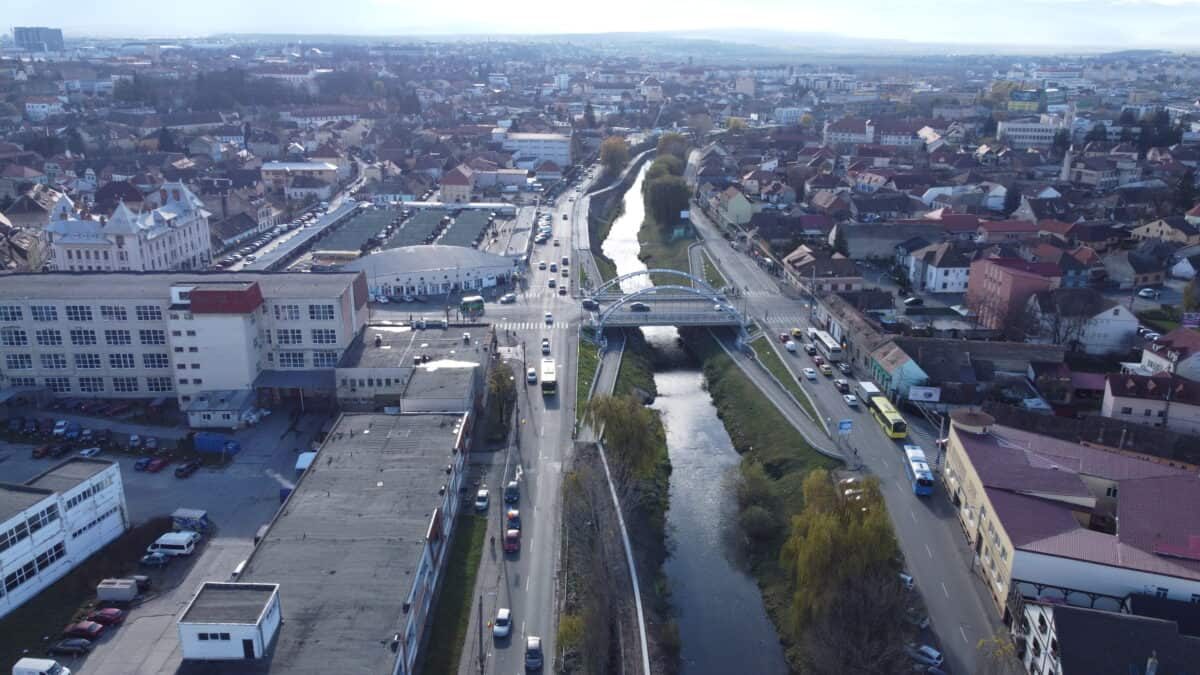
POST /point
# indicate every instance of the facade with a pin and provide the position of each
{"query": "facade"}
(373, 615)
(54, 521)
(1159, 401)
(1081, 319)
(999, 288)
(1022, 134)
(279, 175)
(178, 334)
(432, 270)
(170, 232)
(457, 185)
(939, 268)
(533, 149)
(1063, 522)
(38, 38)
(1174, 228)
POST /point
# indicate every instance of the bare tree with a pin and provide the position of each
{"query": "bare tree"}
(1061, 316)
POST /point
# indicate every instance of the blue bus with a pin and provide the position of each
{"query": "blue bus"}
(919, 473)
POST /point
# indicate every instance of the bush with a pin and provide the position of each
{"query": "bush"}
(570, 631)
(758, 524)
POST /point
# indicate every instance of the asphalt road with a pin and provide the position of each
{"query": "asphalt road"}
(960, 610)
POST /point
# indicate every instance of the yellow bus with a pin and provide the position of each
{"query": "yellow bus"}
(891, 421)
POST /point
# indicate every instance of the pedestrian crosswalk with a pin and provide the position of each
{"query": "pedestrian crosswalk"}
(786, 320)
(530, 325)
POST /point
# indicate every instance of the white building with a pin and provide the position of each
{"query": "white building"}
(229, 622)
(1080, 319)
(169, 232)
(1025, 133)
(789, 116)
(1155, 401)
(532, 149)
(432, 270)
(54, 521)
(939, 268)
(132, 335)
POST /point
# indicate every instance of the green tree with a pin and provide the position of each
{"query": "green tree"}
(75, 141)
(502, 387)
(988, 130)
(1061, 143)
(1098, 132)
(667, 165)
(166, 141)
(674, 144)
(625, 422)
(589, 116)
(665, 197)
(614, 154)
(839, 242)
(735, 124)
(1191, 296)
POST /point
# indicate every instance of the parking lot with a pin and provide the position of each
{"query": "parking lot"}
(239, 499)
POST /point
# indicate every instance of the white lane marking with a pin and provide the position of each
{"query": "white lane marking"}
(929, 551)
(913, 514)
(963, 632)
(945, 590)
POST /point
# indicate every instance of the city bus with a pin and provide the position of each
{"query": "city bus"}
(471, 306)
(917, 468)
(549, 377)
(891, 421)
(831, 349)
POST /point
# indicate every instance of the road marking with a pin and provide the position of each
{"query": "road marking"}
(929, 551)
(913, 514)
(964, 634)
(526, 584)
(946, 591)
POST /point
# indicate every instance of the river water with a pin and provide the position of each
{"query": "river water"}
(723, 627)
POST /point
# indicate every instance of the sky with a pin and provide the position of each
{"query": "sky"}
(1115, 24)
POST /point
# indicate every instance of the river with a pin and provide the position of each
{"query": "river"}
(723, 627)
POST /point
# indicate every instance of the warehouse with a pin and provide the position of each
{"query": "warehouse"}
(432, 270)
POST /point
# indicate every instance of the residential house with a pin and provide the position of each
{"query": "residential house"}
(940, 268)
(308, 189)
(832, 203)
(848, 131)
(733, 207)
(1172, 228)
(966, 371)
(1156, 400)
(811, 270)
(280, 175)
(862, 241)
(998, 289)
(882, 205)
(16, 178)
(997, 231)
(1042, 514)
(1081, 319)
(32, 209)
(1177, 351)
(457, 185)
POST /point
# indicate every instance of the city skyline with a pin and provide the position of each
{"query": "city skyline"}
(1034, 23)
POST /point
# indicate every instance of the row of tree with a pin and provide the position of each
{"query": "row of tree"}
(664, 190)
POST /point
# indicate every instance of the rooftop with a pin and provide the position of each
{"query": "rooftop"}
(347, 543)
(14, 499)
(68, 474)
(387, 346)
(155, 285)
(217, 602)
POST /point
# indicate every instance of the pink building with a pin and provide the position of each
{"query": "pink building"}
(998, 289)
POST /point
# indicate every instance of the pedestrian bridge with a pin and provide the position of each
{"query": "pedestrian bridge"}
(695, 304)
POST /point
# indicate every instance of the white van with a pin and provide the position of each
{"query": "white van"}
(28, 666)
(175, 543)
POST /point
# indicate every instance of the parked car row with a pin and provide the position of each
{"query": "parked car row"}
(81, 636)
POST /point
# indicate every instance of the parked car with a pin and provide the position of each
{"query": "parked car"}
(151, 444)
(154, 560)
(70, 647)
(42, 451)
(73, 431)
(1148, 293)
(502, 626)
(187, 468)
(135, 442)
(157, 464)
(60, 450)
(481, 500)
(508, 298)
(84, 629)
(89, 452)
(109, 616)
(141, 464)
(914, 301)
(924, 654)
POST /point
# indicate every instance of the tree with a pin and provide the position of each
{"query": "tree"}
(735, 124)
(988, 130)
(1098, 132)
(1185, 190)
(1061, 143)
(1191, 296)
(166, 141)
(502, 387)
(1127, 118)
(839, 241)
(625, 422)
(589, 116)
(1059, 317)
(1012, 200)
(666, 165)
(675, 144)
(700, 124)
(614, 154)
(665, 197)
(75, 141)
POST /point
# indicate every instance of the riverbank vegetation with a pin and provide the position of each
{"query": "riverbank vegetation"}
(664, 238)
(614, 155)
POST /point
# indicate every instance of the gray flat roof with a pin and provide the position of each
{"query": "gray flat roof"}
(16, 498)
(356, 232)
(228, 603)
(154, 285)
(345, 547)
(446, 379)
(71, 472)
(399, 345)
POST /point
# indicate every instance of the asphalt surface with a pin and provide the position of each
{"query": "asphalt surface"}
(930, 537)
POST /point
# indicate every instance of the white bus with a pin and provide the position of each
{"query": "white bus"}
(831, 349)
(549, 377)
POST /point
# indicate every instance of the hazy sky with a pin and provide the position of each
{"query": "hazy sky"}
(1114, 23)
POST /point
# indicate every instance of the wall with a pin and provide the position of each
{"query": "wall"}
(1114, 581)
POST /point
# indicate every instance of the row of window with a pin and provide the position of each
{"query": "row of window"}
(1145, 413)
(321, 359)
(85, 361)
(204, 637)
(32, 524)
(315, 312)
(11, 336)
(80, 313)
(86, 494)
(30, 569)
(99, 519)
(94, 385)
(295, 336)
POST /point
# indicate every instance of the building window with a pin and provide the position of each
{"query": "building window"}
(1160, 592)
(83, 336)
(1147, 412)
(22, 381)
(324, 336)
(44, 312)
(148, 313)
(48, 337)
(121, 361)
(1196, 598)
(1126, 410)
(191, 333)
(53, 361)
(158, 384)
(325, 359)
(287, 312)
(79, 313)
(113, 313)
(117, 337)
(87, 361)
(11, 336)
(11, 313)
(91, 385)
(289, 336)
(320, 312)
(58, 385)
(152, 336)
(18, 361)
(125, 384)
(176, 333)
(291, 359)
(1111, 491)
(156, 361)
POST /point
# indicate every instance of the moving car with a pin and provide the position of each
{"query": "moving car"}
(481, 500)
(842, 385)
(531, 376)
(549, 318)
(809, 373)
(552, 282)
(843, 367)
(1148, 293)
(590, 304)
(508, 298)
(639, 307)
(533, 653)
(541, 264)
(790, 345)
(187, 468)
(784, 338)
(914, 301)
(502, 626)
(826, 370)
(546, 346)
(851, 400)
(810, 349)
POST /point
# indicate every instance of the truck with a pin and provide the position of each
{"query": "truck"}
(211, 443)
(195, 520)
(28, 666)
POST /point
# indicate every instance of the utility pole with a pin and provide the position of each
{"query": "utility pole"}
(480, 635)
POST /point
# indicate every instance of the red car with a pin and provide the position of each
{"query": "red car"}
(84, 629)
(784, 337)
(109, 616)
(512, 541)
(818, 360)
(42, 451)
(157, 464)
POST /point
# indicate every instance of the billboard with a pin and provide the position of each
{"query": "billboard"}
(925, 394)
(1190, 320)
